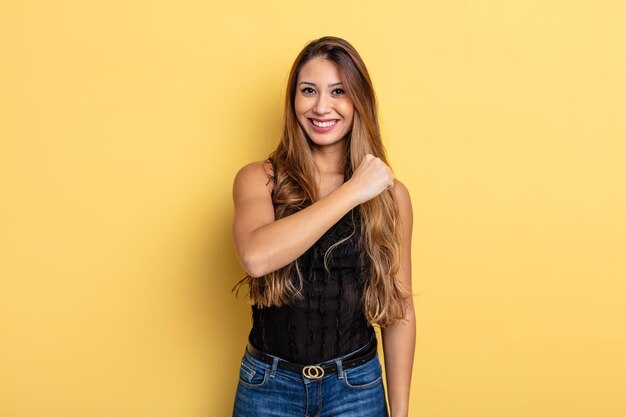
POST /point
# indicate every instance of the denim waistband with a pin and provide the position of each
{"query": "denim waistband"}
(331, 366)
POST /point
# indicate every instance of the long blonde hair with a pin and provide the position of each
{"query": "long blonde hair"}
(295, 188)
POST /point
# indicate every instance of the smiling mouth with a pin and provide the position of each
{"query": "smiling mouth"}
(323, 124)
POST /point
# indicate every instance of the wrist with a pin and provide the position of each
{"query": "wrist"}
(349, 192)
(399, 413)
(400, 410)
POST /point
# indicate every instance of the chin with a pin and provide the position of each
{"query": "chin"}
(326, 141)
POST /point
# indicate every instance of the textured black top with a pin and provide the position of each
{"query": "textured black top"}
(330, 320)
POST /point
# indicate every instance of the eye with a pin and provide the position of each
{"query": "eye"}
(307, 90)
(339, 91)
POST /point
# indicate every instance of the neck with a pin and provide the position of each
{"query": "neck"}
(330, 159)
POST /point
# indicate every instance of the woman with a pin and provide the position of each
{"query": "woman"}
(323, 231)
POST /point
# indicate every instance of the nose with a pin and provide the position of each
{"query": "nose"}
(322, 106)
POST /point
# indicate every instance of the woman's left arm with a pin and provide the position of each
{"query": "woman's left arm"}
(399, 339)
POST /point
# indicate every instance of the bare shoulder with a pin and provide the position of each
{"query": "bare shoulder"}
(257, 175)
(402, 195)
(404, 207)
(255, 170)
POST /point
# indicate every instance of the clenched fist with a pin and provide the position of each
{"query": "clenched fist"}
(370, 178)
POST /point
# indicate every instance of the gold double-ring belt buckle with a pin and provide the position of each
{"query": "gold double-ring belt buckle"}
(313, 371)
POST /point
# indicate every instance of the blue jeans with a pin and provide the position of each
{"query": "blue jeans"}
(268, 391)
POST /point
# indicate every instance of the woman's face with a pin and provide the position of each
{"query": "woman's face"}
(321, 103)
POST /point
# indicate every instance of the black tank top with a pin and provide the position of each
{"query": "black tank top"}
(329, 321)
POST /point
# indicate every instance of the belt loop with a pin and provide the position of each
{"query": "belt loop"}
(274, 366)
(339, 368)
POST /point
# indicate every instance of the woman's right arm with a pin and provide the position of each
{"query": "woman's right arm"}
(264, 244)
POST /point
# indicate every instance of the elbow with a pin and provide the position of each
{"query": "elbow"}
(253, 264)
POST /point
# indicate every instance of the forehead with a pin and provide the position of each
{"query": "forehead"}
(320, 71)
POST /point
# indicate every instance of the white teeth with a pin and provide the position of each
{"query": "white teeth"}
(323, 124)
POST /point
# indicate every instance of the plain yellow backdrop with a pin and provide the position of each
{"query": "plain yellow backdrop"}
(122, 124)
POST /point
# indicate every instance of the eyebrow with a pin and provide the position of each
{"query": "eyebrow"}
(330, 85)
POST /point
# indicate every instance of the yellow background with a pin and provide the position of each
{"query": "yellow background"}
(123, 123)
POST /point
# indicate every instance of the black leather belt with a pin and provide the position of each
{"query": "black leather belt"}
(324, 368)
